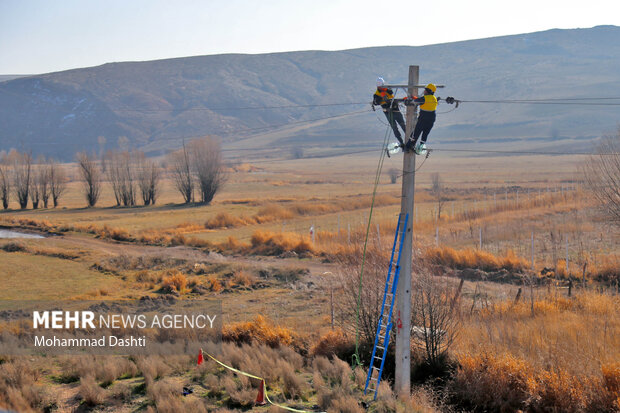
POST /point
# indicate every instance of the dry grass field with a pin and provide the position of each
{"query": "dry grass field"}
(252, 249)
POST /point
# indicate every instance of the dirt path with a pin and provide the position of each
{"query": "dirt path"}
(112, 248)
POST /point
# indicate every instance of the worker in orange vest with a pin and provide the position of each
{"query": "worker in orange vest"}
(385, 98)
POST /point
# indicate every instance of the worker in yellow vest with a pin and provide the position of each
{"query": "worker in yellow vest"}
(426, 119)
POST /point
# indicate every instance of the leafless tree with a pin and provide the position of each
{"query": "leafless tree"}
(40, 186)
(91, 176)
(181, 170)
(35, 194)
(121, 174)
(148, 175)
(434, 314)
(367, 297)
(58, 181)
(22, 177)
(5, 180)
(44, 180)
(438, 192)
(297, 152)
(602, 175)
(206, 159)
(393, 173)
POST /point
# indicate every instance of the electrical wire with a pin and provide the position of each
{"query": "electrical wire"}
(539, 102)
(242, 107)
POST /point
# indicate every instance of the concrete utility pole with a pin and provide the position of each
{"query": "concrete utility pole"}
(403, 293)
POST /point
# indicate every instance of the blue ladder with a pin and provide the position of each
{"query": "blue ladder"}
(384, 327)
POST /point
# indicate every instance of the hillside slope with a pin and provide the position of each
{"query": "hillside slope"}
(158, 103)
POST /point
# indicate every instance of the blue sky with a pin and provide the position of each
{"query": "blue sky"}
(38, 36)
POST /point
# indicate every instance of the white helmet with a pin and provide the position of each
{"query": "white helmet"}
(380, 82)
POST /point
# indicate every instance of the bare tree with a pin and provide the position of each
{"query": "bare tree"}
(365, 298)
(5, 180)
(40, 187)
(148, 176)
(434, 317)
(22, 177)
(121, 174)
(393, 173)
(91, 176)
(35, 194)
(602, 174)
(180, 167)
(206, 159)
(58, 181)
(438, 192)
(297, 152)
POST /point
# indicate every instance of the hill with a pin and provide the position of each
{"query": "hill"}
(156, 104)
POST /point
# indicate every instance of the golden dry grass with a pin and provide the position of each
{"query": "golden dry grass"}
(562, 356)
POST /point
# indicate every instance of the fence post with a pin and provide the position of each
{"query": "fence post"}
(532, 250)
(567, 273)
(349, 233)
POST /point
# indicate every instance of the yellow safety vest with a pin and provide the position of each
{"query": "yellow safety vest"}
(430, 103)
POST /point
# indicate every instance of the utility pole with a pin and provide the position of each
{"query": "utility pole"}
(402, 377)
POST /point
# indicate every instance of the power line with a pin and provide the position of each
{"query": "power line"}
(543, 153)
(241, 107)
(522, 152)
(541, 102)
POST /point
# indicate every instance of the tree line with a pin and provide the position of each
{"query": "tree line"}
(39, 182)
(196, 171)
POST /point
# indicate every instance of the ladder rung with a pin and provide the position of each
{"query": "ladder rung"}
(382, 348)
(378, 358)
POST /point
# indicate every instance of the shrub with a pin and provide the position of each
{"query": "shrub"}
(152, 367)
(13, 247)
(225, 220)
(213, 284)
(166, 395)
(244, 279)
(271, 243)
(470, 258)
(333, 343)
(174, 282)
(261, 331)
(292, 385)
(90, 391)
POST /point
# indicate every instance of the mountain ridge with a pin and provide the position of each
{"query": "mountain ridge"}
(157, 103)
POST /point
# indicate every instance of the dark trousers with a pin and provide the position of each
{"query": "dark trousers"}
(393, 118)
(423, 127)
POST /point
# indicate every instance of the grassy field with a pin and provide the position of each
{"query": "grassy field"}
(251, 248)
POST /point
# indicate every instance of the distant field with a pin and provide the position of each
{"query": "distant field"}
(252, 249)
